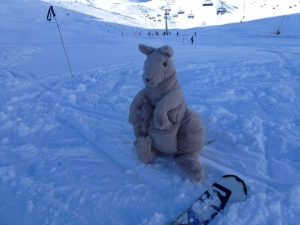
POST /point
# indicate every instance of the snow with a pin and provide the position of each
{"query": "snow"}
(66, 153)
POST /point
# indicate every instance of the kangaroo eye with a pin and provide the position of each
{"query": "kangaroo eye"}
(165, 64)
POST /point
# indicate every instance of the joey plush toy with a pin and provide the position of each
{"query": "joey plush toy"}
(145, 113)
(173, 129)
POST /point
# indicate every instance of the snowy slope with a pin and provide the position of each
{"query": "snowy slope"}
(138, 13)
(66, 154)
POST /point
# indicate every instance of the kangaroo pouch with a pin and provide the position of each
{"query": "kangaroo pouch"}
(165, 141)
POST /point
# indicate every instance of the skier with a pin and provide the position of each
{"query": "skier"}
(192, 39)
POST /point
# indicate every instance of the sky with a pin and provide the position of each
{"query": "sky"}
(66, 152)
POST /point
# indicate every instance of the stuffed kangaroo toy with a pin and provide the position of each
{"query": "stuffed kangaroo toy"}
(173, 129)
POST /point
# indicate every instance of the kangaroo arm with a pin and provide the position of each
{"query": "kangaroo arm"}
(170, 101)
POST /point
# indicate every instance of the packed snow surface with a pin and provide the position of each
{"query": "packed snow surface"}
(66, 152)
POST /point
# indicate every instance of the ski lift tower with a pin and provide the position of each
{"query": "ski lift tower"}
(166, 18)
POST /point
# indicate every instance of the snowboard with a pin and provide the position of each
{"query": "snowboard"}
(227, 189)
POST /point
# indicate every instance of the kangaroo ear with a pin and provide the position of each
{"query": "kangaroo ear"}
(147, 50)
(167, 50)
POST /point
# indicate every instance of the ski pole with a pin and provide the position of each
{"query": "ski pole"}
(51, 12)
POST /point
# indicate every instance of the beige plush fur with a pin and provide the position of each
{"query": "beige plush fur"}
(173, 129)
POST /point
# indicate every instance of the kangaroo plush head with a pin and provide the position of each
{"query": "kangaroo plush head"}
(158, 65)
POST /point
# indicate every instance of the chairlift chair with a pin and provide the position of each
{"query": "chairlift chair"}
(191, 16)
(221, 10)
(207, 3)
(175, 15)
(180, 11)
(168, 8)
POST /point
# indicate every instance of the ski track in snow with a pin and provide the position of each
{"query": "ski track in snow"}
(66, 153)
